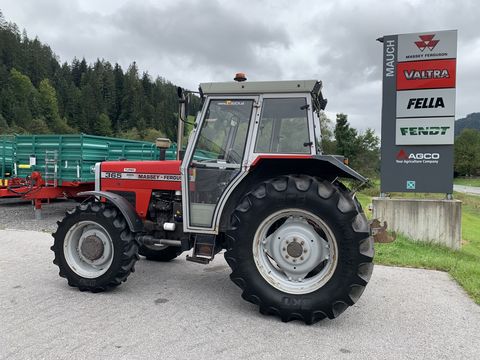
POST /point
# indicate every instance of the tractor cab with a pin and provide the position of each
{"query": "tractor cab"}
(241, 124)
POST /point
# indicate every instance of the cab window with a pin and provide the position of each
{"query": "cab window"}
(283, 127)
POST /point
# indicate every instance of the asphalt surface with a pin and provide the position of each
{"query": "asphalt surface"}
(182, 310)
(473, 190)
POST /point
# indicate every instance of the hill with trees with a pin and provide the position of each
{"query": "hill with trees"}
(471, 121)
(39, 95)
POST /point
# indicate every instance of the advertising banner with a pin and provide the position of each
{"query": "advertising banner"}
(424, 131)
(418, 112)
(421, 103)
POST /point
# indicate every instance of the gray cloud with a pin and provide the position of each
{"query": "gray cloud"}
(193, 41)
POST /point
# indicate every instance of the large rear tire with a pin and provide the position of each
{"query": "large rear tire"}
(300, 248)
(94, 247)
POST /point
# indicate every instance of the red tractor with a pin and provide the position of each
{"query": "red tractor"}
(253, 182)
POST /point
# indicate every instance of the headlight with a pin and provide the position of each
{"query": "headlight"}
(97, 176)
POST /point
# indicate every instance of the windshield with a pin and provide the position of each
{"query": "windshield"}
(224, 131)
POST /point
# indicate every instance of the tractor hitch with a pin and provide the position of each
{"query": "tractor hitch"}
(150, 240)
(380, 233)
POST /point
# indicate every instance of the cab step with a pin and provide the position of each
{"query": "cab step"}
(198, 260)
(203, 249)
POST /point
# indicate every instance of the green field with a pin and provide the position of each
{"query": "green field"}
(462, 265)
(467, 181)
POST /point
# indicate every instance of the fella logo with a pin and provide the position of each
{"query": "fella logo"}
(426, 42)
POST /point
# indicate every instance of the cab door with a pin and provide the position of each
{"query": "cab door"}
(214, 158)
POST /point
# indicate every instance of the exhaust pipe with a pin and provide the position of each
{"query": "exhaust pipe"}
(182, 104)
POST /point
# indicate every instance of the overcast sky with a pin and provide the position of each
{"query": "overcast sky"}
(188, 42)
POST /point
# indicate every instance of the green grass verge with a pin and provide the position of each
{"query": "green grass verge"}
(467, 181)
(462, 265)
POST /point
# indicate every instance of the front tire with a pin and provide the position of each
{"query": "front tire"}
(300, 248)
(94, 248)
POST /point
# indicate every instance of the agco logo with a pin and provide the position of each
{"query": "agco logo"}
(415, 158)
(426, 42)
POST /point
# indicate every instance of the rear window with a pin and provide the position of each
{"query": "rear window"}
(283, 127)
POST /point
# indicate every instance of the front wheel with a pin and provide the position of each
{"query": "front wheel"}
(300, 248)
(94, 248)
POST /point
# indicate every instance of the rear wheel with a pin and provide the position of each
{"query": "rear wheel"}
(300, 248)
(94, 248)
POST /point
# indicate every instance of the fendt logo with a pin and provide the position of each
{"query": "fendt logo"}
(424, 130)
(404, 157)
(426, 42)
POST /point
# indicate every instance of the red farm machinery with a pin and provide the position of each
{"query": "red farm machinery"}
(44, 167)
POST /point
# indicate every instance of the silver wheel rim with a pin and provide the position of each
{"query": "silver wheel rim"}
(295, 251)
(88, 249)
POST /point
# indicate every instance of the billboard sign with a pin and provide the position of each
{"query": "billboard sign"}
(418, 112)
(424, 131)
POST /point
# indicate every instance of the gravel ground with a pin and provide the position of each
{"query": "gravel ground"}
(20, 215)
(182, 310)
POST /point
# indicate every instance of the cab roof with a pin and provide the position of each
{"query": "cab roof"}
(259, 87)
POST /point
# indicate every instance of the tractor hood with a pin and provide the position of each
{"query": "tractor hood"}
(140, 174)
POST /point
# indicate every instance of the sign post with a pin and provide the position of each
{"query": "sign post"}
(418, 112)
(418, 116)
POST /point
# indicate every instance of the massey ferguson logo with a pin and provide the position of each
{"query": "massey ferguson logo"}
(426, 42)
(426, 74)
(404, 157)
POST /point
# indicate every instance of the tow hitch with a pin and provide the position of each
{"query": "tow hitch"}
(380, 233)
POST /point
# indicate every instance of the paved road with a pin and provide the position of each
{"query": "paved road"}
(467, 189)
(186, 311)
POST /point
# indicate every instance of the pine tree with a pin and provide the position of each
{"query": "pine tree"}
(49, 107)
(103, 126)
(346, 137)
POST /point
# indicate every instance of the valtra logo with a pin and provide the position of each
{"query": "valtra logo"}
(426, 74)
(426, 42)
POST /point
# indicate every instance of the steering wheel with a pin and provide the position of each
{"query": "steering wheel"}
(234, 156)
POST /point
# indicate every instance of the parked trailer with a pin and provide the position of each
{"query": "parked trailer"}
(6, 158)
(43, 167)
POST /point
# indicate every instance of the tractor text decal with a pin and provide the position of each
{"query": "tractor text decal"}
(132, 176)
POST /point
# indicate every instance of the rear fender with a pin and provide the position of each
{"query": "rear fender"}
(134, 222)
(327, 167)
